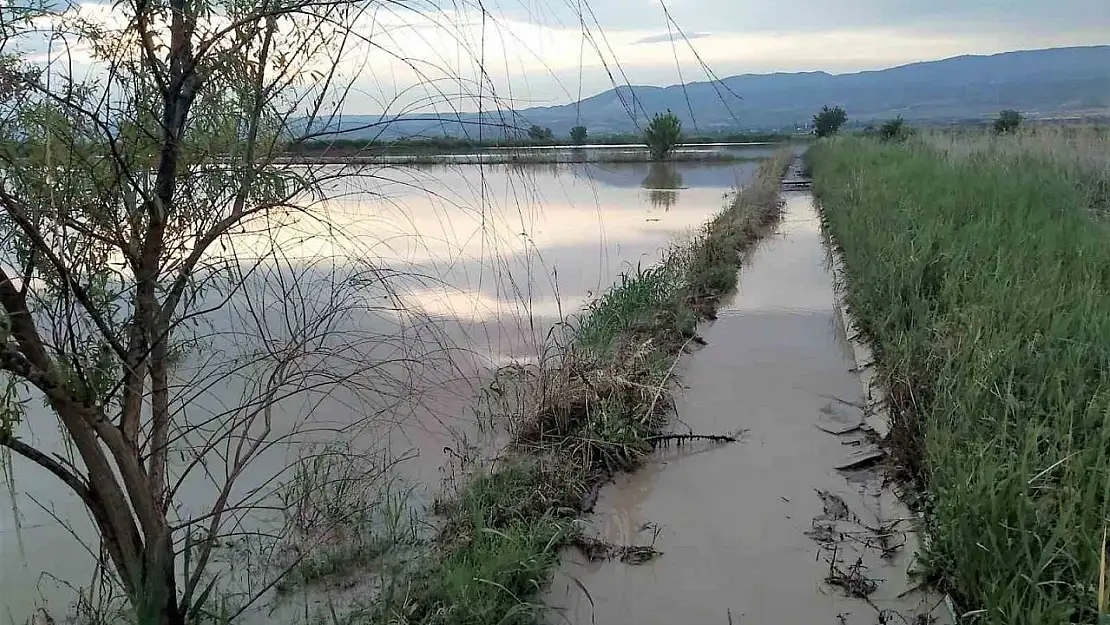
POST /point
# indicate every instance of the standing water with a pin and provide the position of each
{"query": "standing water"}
(489, 258)
(766, 530)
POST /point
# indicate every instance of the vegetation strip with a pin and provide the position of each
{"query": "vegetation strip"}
(597, 406)
(981, 281)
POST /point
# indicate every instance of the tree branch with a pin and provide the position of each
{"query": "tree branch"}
(13, 361)
(19, 215)
(69, 478)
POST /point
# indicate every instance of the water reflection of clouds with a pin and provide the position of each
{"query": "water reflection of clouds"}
(492, 258)
(472, 305)
(494, 243)
(483, 244)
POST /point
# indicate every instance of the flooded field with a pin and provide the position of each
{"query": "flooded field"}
(439, 273)
(590, 153)
(766, 530)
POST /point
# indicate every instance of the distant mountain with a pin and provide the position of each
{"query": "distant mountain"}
(1040, 83)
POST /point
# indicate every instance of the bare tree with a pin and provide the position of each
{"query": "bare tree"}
(133, 206)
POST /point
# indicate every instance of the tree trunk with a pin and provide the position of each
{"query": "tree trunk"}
(172, 613)
(157, 602)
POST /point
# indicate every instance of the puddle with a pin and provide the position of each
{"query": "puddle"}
(765, 530)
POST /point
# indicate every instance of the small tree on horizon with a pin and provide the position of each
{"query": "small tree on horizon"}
(1007, 121)
(663, 133)
(828, 122)
(578, 135)
(539, 133)
(894, 130)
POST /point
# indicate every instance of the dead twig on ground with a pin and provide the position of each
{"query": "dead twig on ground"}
(683, 438)
(597, 550)
(852, 581)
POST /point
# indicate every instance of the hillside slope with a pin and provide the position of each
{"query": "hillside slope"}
(1037, 82)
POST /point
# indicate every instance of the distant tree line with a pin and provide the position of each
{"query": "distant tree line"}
(661, 135)
(829, 120)
(540, 134)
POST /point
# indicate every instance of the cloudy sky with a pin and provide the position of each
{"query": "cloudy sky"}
(441, 54)
(542, 52)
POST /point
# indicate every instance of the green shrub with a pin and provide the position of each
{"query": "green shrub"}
(1007, 121)
(539, 133)
(828, 121)
(578, 135)
(663, 134)
(895, 130)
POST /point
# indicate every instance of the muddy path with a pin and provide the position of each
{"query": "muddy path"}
(794, 524)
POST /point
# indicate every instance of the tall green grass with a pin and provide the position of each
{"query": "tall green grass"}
(985, 287)
(636, 295)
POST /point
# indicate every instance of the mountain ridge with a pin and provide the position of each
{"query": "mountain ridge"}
(1040, 83)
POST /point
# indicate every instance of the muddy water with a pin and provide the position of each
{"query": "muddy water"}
(485, 260)
(751, 532)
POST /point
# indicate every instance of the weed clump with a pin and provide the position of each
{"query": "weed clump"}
(1007, 121)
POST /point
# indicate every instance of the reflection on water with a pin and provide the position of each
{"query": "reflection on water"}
(662, 175)
(500, 242)
(447, 271)
(662, 183)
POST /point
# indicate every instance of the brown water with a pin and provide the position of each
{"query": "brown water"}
(490, 258)
(745, 535)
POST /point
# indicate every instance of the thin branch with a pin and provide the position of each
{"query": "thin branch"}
(19, 215)
(69, 478)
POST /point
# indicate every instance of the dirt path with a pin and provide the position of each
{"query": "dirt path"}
(767, 530)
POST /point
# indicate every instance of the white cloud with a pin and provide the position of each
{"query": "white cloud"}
(671, 37)
(537, 65)
(541, 53)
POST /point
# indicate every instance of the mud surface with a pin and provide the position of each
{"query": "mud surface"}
(766, 530)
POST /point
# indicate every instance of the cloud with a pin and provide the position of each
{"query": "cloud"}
(560, 65)
(797, 16)
(464, 54)
(670, 37)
